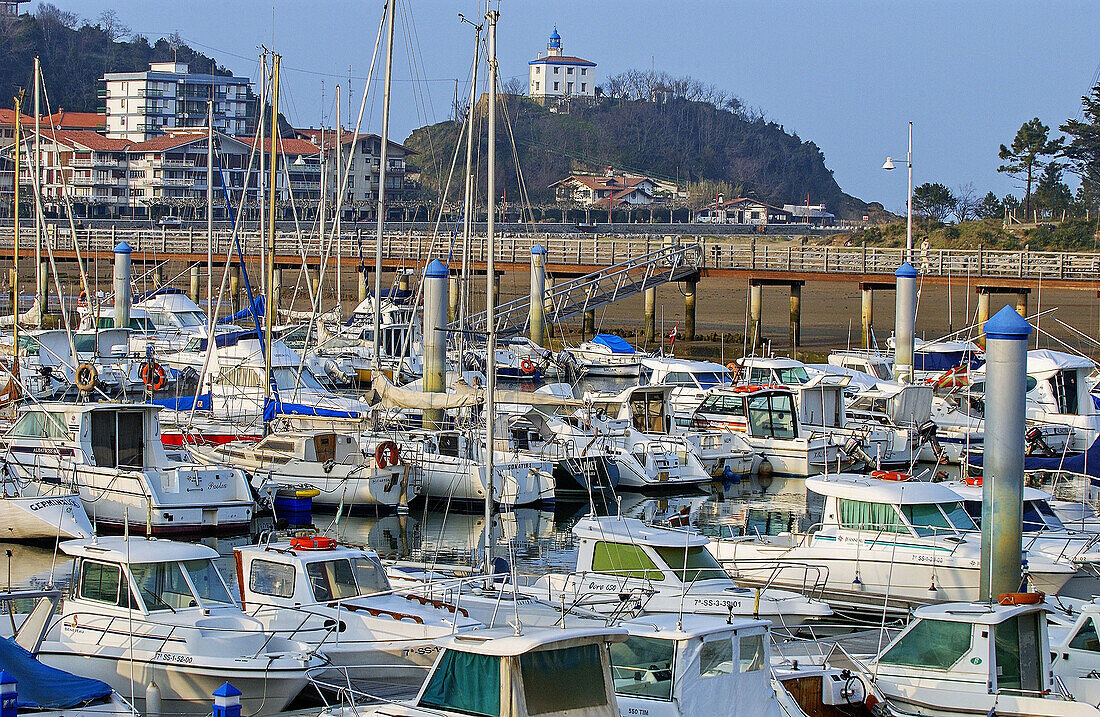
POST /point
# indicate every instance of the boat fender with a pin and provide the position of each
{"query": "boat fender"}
(316, 542)
(86, 376)
(153, 376)
(974, 481)
(890, 475)
(527, 366)
(387, 454)
(1021, 598)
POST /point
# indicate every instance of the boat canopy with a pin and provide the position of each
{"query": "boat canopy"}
(614, 529)
(617, 344)
(45, 687)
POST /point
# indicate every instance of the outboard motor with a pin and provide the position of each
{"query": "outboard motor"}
(853, 448)
(1036, 445)
(927, 433)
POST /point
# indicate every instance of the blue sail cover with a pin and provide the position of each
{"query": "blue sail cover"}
(277, 407)
(256, 311)
(1087, 463)
(617, 344)
(185, 403)
(44, 686)
(944, 360)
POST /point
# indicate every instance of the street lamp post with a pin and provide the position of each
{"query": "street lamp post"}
(889, 165)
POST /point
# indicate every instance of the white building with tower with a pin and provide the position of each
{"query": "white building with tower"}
(557, 75)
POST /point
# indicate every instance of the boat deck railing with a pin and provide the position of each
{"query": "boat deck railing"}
(340, 685)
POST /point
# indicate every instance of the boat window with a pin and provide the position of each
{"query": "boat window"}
(1064, 385)
(162, 586)
(957, 516)
(208, 583)
(118, 438)
(793, 375)
(931, 644)
(276, 444)
(39, 424)
(863, 515)
(881, 370)
(710, 379)
(695, 563)
(679, 378)
(448, 444)
(760, 375)
(332, 579)
(624, 561)
(722, 405)
(752, 656)
(370, 576)
(926, 519)
(642, 667)
(1038, 515)
(240, 377)
(648, 410)
(546, 671)
(287, 379)
(465, 682)
(772, 415)
(268, 578)
(1086, 638)
(716, 657)
(1016, 649)
(191, 319)
(99, 582)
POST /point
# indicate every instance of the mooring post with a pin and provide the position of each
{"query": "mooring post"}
(235, 287)
(650, 315)
(435, 338)
(1021, 304)
(691, 286)
(867, 302)
(537, 329)
(905, 317)
(983, 313)
(276, 289)
(1003, 479)
(193, 293)
(452, 297)
(588, 325)
(755, 302)
(122, 285)
(796, 318)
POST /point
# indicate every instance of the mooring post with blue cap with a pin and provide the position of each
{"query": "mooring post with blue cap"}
(905, 319)
(9, 696)
(1003, 480)
(435, 338)
(537, 323)
(227, 701)
(122, 285)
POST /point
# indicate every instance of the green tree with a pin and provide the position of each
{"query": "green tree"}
(1025, 157)
(1083, 149)
(933, 200)
(990, 207)
(1052, 196)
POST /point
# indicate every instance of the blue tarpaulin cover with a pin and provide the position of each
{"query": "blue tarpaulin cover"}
(184, 403)
(617, 344)
(275, 406)
(944, 360)
(44, 686)
(1087, 463)
(256, 310)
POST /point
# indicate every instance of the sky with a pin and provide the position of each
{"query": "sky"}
(846, 74)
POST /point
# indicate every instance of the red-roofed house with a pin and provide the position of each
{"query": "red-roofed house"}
(558, 76)
(743, 210)
(606, 189)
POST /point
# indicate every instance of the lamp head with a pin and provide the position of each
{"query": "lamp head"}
(888, 164)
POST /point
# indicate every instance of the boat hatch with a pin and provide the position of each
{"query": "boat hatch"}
(771, 415)
(118, 438)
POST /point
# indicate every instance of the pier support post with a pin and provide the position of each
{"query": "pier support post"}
(193, 292)
(435, 338)
(756, 294)
(548, 301)
(361, 272)
(867, 304)
(122, 285)
(536, 325)
(43, 290)
(496, 289)
(1003, 480)
(905, 317)
(235, 287)
(692, 286)
(796, 319)
(588, 326)
(403, 281)
(1021, 304)
(13, 283)
(452, 297)
(983, 313)
(158, 276)
(276, 289)
(650, 315)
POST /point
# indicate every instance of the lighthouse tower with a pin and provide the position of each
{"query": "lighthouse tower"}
(558, 76)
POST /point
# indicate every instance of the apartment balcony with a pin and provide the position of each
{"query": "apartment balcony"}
(305, 185)
(101, 94)
(144, 92)
(83, 181)
(176, 163)
(172, 181)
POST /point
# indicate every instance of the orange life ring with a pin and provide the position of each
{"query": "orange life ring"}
(317, 542)
(1021, 598)
(387, 454)
(974, 480)
(153, 376)
(82, 300)
(86, 376)
(527, 366)
(890, 475)
(732, 366)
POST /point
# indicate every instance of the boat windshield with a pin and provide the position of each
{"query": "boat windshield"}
(793, 375)
(928, 519)
(342, 578)
(287, 379)
(1038, 515)
(772, 416)
(163, 586)
(695, 563)
(191, 319)
(710, 379)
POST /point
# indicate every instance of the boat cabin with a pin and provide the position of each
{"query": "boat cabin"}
(771, 370)
(891, 404)
(283, 447)
(683, 373)
(872, 363)
(1038, 514)
(687, 665)
(498, 673)
(106, 435)
(307, 571)
(645, 408)
(760, 411)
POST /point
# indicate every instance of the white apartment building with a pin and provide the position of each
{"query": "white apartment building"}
(558, 76)
(143, 105)
(360, 156)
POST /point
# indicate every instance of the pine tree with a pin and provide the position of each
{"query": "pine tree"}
(1083, 149)
(1025, 157)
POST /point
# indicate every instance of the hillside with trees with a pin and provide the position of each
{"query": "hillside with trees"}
(75, 53)
(648, 123)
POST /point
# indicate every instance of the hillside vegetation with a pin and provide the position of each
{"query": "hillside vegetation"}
(1069, 235)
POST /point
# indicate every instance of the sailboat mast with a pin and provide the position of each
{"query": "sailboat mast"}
(384, 142)
(39, 280)
(339, 205)
(468, 209)
(490, 279)
(270, 267)
(15, 239)
(209, 207)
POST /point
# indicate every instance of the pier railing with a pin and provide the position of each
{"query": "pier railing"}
(586, 252)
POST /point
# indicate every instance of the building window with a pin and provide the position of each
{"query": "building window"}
(584, 70)
(569, 88)
(582, 86)
(536, 86)
(557, 70)
(555, 85)
(569, 70)
(537, 69)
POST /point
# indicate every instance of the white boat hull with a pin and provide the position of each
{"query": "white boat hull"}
(44, 517)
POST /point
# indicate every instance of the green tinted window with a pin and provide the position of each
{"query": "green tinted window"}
(545, 672)
(465, 682)
(862, 515)
(931, 644)
(624, 561)
(695, 563)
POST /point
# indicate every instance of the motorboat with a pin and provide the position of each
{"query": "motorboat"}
(579, 459)
(606, 355)
(882, 541)
(305, 587)
(627, 567)
(157, 613)
(767, 418)
(112, 456)
(27, 515)
(691, 381)
(331, 462)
